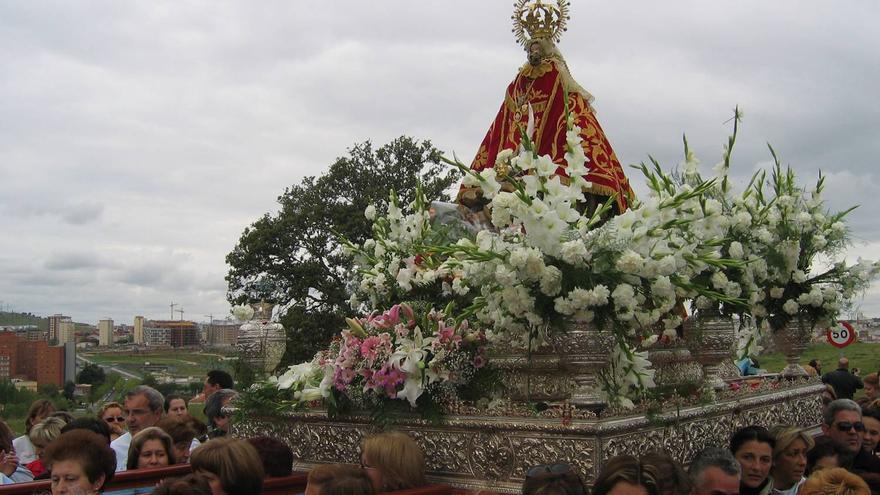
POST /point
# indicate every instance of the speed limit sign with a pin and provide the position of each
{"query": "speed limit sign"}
(841, 335)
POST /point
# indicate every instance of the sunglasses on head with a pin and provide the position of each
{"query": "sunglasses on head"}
(111, 419)
(847, 426)
(557, 468)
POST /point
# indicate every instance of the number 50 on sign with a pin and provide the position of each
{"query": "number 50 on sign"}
(841, 335)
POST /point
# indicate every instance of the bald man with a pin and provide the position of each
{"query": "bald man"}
(845, 383)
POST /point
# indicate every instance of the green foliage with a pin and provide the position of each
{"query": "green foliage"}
(91, 374)
(294, 258)
(111, 382)
(48, 390)
(68, 390)
(244, 374)
(150, 380)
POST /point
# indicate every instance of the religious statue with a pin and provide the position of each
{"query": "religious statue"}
(535, 104)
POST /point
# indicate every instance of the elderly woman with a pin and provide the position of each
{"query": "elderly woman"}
(39, 410)
(789, 459)
(232, 466)
(393, 461)
(42, 434)
(80, 462)
(150, 448)
(218, 421)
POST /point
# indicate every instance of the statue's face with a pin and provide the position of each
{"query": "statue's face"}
(535, 54)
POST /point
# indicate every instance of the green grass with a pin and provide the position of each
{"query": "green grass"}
(15, 424)
(862, 355)
(180, 363)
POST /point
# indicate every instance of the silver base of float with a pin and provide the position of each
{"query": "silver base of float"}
(475, 451)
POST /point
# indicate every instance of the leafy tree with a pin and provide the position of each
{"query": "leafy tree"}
(91, 374)
(293, 257)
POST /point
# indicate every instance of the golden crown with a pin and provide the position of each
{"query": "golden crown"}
(539, 20)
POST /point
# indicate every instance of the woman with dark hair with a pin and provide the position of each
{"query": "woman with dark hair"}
(218, 420)
(626, 473)
(150, 448)
(553, 479)
(231, 465)
(39, 410)
(871, 420)
(182, 435)
(752, 447)
(80, 462)
(176, 406)
(828, 453)
(393, 460)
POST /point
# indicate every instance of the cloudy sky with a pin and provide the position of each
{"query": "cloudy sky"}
(138, 139)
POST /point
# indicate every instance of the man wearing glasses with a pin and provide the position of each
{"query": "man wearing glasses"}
(843, 423)
(143, 407)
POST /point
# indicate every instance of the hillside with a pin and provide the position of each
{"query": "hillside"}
(12, 318)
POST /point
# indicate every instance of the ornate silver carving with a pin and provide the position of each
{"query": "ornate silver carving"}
(476, 451)
(710, 336)
(584, 351)
(674, 366)
(792, 340)
(532, 378)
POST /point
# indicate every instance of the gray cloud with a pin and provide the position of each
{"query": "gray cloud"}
(142, 138)
(74, 261)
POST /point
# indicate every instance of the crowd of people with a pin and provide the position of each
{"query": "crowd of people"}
(781, 460)
(146, 431)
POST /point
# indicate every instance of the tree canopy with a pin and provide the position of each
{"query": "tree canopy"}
(294, 258)
(91, 374)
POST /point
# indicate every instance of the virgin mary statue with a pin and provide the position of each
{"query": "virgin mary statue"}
(535, 104)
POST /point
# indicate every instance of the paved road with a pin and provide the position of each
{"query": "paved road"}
(121, 371)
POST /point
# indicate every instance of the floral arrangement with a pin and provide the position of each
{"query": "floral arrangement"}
(397, 355)
(544, 262)
(801, 241)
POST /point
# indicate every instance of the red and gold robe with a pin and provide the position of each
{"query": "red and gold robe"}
(543, 88)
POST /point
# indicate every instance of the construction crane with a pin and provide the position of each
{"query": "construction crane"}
(181, 313)
(173, 304)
